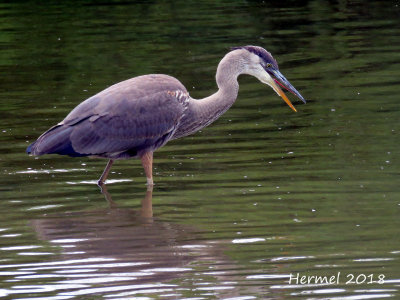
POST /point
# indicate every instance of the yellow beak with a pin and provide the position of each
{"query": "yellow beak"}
(282, 94)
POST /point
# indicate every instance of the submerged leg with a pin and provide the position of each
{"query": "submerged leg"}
(103, 176)
(147, 163)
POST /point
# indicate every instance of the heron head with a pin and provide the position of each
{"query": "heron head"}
(262, 65)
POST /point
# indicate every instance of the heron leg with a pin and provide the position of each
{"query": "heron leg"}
(103, 176)
(147, 163)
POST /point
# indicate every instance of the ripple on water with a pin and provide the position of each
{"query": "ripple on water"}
(261, 195)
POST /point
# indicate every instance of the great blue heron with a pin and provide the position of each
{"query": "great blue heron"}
(135, 117)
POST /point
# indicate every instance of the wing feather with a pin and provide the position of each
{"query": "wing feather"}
(120, 119)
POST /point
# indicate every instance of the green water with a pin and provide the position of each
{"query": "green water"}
(262, 194)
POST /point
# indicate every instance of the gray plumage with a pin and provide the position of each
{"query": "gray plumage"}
(135, 117)
(120, 122)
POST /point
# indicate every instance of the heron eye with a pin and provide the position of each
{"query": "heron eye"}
(269, 65)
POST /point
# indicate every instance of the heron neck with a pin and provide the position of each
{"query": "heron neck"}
(202, 112)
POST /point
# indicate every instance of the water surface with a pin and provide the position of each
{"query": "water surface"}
(240, 209)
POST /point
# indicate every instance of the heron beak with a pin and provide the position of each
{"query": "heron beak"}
(280, 80)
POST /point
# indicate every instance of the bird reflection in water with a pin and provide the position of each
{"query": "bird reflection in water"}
(124, 247)
(146, 210)
(118, 232)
